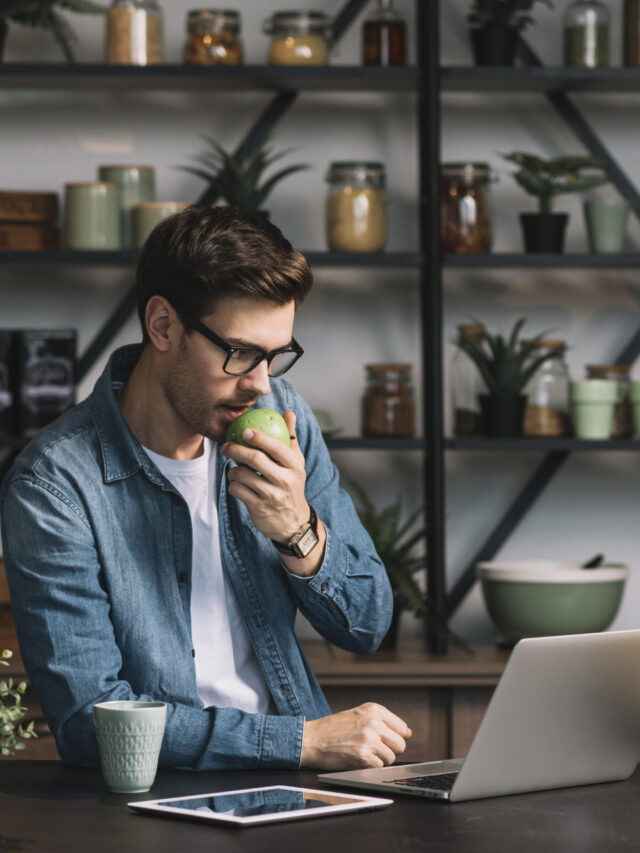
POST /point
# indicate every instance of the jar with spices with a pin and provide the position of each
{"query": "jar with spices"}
(465, 214)
(547, 412)
(466, 383)
(586, 34)
(631, 33)
(387, 405)
(134, 33)
(623, 414)
(298, 38)
(356, 219)
(213, 37)
(384, 37)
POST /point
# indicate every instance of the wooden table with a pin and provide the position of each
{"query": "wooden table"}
(48, 808)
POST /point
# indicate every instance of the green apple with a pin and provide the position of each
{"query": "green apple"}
(266, 420)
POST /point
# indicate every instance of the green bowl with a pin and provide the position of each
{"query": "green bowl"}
(539, 598)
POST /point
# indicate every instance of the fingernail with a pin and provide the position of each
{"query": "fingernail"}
(248, 434)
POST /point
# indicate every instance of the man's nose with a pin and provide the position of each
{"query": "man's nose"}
(257, 380)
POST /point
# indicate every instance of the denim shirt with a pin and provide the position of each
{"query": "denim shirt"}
(97, 548)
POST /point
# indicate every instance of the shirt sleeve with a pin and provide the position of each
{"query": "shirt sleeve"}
(67, 641)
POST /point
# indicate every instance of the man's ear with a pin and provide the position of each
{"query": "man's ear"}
(162, 323)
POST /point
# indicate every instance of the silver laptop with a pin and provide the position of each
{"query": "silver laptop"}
(565, 712)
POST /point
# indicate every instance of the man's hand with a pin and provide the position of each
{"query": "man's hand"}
(367, 736)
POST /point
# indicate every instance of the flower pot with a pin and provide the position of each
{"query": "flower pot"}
(502, 414)
(544, 232)
(494, 46)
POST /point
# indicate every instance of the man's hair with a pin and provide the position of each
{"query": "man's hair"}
(202, 254)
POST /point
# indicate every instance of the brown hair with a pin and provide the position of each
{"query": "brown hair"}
(202, 254)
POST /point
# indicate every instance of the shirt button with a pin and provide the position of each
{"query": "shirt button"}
(325, 586)
(184, 577)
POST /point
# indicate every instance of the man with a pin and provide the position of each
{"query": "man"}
(149, 559)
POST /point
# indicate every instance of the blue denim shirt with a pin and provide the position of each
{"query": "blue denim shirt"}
(97, 548)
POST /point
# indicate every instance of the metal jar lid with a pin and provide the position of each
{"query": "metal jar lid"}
(298, 21)
(214, 19)
(357, 172)
(468, 172)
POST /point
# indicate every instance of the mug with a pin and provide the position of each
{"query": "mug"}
(91, 217)
(129, 735)
(606, 222)
(148, 214)
(137, 184)
(593, 403)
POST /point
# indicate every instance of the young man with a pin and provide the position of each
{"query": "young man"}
(149, 559)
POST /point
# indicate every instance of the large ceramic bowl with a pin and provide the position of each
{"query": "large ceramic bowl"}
(537, 598)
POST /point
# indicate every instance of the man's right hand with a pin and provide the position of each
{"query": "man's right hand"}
(367, 736)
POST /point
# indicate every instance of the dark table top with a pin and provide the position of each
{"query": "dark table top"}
(47, 807)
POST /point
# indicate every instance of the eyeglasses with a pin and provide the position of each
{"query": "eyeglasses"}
(241, 360)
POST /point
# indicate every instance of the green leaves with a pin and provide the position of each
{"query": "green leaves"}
(506, 365)
(503, 13)
(546, 179)
(43, 14)
(12, 710)
(238, 182)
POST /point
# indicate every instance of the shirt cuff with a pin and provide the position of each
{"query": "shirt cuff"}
(282, 742)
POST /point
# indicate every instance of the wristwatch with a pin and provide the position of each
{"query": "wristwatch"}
(303, 541)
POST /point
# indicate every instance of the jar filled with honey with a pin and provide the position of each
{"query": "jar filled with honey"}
(298, 38)
(356, 217)
(213, 37)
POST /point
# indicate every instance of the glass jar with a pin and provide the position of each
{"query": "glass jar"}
(356, 219)
(547, 412)
(387, 404)
(134, 32)
(465, 215)
(298, 38)
(586, 34)
(213, 37)
(466, 383)
(623, 415)
(384, 37)
(631, 30)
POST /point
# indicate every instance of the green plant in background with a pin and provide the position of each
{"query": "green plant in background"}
(236, 180)
(45, 14)
(503, 13)
(505, 364)
(12, 710)
(545, 179)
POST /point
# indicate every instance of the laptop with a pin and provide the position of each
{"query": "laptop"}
(565, 712)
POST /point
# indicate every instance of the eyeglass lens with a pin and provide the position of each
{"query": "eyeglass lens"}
(244, 360)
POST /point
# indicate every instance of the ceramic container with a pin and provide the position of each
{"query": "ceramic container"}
(606, 223)
(536, 598)
(137, 184)
(129, 737)
(145, 217)
(92, 216)
(593, 403)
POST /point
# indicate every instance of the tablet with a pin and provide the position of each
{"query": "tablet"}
(252, 806)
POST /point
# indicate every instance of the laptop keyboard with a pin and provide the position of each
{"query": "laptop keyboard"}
(439, 781)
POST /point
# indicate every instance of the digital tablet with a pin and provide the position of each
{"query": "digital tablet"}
(252, 806)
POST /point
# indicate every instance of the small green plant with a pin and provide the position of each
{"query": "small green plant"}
(12, 710)
(503, 13)
(506, 364)
(545, 179)
(238, 181)
(45, 14)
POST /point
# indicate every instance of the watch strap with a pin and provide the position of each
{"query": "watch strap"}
(289, 547)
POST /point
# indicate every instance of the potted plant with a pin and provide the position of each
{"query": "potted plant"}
(495, 25)
(506, 365)
(45, 14)
(545, 179)
(12, 710)
(238, 180)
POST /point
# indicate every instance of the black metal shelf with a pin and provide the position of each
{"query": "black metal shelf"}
(540, 79)
(572, 260)
(540, 445)
(330, 78)
(361, 443)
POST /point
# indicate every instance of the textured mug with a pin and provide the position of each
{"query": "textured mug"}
(129, 737)
(593, 403)
(606, 222)
(147, 215)
(92, 215)
(137, 184)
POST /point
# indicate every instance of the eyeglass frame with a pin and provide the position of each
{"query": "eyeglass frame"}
(192, 322)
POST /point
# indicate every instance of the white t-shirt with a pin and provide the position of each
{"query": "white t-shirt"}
(228, 674)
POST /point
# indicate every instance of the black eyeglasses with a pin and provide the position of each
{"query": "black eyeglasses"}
(241, 360)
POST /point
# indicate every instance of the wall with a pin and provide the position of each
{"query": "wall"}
(354, 317)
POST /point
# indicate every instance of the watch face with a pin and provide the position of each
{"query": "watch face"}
(307, 542)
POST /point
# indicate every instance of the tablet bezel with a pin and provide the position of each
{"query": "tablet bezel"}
(353, 803)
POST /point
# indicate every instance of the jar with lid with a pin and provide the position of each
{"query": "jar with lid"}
(134, 33)
(384, 37)
(298, 38)
(623, 426)
(464, 207)
(356, 219)
(213, 37)
(547, 412)
(466, 384)
(387, 404)
(631, 31)
(586, 34)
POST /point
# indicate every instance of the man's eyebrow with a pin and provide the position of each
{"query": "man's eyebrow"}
(241, 342)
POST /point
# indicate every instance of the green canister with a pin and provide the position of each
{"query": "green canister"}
(92, 215)
(137, 184)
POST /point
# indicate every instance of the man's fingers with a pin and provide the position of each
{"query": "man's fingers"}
(392, 720)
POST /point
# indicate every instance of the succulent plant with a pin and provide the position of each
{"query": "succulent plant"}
(45, 14)
(12, 710)
(503, 13)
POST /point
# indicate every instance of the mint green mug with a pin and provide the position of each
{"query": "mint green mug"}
(91, 217)
(137, 184)
(593, 403)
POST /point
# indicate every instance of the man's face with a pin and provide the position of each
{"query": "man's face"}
(204, 397)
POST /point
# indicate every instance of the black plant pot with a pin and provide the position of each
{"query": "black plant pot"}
(544, 232)
(390, 640)
(494, 46)
(502, 414)
(3, 35)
